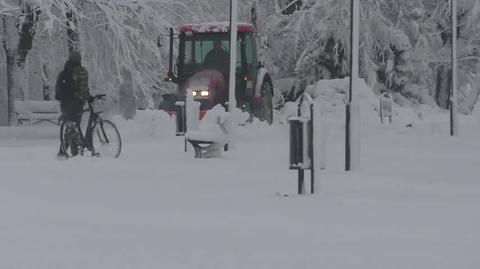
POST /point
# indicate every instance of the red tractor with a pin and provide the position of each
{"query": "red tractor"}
(203, 68)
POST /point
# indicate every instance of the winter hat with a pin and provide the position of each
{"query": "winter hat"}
(75, 56)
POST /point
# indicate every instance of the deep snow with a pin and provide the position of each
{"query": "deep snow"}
(414, 204)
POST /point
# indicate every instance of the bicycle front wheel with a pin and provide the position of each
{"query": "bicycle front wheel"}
(106, 139)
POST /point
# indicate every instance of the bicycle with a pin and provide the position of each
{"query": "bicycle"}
(102, 137)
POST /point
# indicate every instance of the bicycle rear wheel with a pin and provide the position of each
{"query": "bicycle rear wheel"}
(69, 138)
(106, 139)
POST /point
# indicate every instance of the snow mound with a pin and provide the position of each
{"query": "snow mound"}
(214, 127)
(30, 132)
(331, 95)
(147, 124)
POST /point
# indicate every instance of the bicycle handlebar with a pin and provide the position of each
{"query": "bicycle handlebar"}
(98, 96)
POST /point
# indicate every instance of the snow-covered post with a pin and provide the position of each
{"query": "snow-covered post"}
(192, 112)
(233, 54)
(192, 109)
(352, 135)
(453, 94)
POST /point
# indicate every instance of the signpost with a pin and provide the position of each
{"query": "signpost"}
(352, 139)
(233, 55)
(453, 93)
(386, 104)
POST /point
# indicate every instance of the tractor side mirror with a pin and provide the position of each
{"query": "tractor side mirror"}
(172, 75)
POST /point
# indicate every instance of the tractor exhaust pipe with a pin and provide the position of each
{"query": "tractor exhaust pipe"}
(170, 74)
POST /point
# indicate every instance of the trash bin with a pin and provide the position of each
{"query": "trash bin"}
(301, 143)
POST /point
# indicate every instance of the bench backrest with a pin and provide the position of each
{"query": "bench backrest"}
(24, 107)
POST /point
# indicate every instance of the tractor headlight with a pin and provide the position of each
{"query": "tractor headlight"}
(200, 92)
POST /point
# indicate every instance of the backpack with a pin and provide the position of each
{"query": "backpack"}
(72, 86)
(64, 87)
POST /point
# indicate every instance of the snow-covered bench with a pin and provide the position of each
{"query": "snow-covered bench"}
(206, 146)
(212, 136)
(37, 111)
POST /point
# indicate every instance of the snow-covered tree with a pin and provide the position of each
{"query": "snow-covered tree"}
(115, 37)
(405, 46)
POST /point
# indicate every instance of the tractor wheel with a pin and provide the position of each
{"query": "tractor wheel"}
(266, 109)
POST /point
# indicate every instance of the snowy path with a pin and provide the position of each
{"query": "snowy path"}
(414, 206)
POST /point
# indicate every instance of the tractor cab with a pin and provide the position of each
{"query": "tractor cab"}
(203, 65)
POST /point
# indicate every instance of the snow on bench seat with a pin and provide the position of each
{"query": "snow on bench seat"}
(37, 111)
(212, 136)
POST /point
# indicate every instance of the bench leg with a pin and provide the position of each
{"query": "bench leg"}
(198, 149)
(204, 149)
(51, 121)
(198, 152)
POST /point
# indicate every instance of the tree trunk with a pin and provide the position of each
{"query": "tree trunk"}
(8, 34)
(16, 81)
(45, 81)
(127, 99)
(3, 89)
(17, 42)
(73, 35)
(443, 86)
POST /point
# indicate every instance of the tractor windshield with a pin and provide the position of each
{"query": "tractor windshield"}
(211, 51)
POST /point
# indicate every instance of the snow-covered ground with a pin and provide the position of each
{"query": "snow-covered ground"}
(414, 204)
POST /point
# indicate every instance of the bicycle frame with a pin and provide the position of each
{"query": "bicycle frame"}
(71, 135)
(92, 122)
(93, 119)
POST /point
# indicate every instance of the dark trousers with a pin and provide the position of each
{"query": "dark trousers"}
(77, 118)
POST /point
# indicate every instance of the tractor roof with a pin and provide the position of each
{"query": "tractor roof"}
(216, 27)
